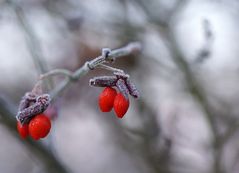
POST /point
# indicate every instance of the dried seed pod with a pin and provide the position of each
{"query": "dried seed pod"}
(122, 88)
(24, 103)
(28, 99)
(121, 75)
(25, 115)
(44, 99)
(31, 97)
(103, 81)
(42, 102)
(132, 89)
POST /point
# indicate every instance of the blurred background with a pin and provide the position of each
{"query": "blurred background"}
(187, 118)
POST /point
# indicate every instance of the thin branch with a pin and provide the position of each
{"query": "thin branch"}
(205, 51)
(193, 86)
(192, 83)
(57, 72)
(106, 67)
(32, 41)
(233, 128)
(107, 56)
(198, 94)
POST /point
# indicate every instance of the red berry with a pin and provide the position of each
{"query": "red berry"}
(106, 99)
(121, 105)
(39, 126)
(22, 130)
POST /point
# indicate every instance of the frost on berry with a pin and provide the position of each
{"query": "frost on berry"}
(37, 107)
(103, 81)
(122, 88)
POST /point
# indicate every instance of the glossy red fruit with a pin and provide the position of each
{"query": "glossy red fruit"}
(22, 130)
(106, 99)
(121, 105)
(39, 126)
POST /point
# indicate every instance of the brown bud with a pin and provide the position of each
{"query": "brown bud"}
(42, 102)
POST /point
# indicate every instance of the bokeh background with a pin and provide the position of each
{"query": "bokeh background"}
(187, 118)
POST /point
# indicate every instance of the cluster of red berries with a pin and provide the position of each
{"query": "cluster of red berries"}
(30, 118)
(38, 127)
(109, 98)
(32, 122)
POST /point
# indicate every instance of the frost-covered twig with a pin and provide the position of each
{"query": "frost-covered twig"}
(36, 102)
(107, 56)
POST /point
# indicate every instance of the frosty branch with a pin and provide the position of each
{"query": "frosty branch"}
(36, 102)
(107, 56)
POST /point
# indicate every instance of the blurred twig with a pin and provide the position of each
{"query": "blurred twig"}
(158, 159)
(232, 129)
(198, 94)
(192, 84)
(205, 51)
(32, 41)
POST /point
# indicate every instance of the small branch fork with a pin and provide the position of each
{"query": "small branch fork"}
(107, 56)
